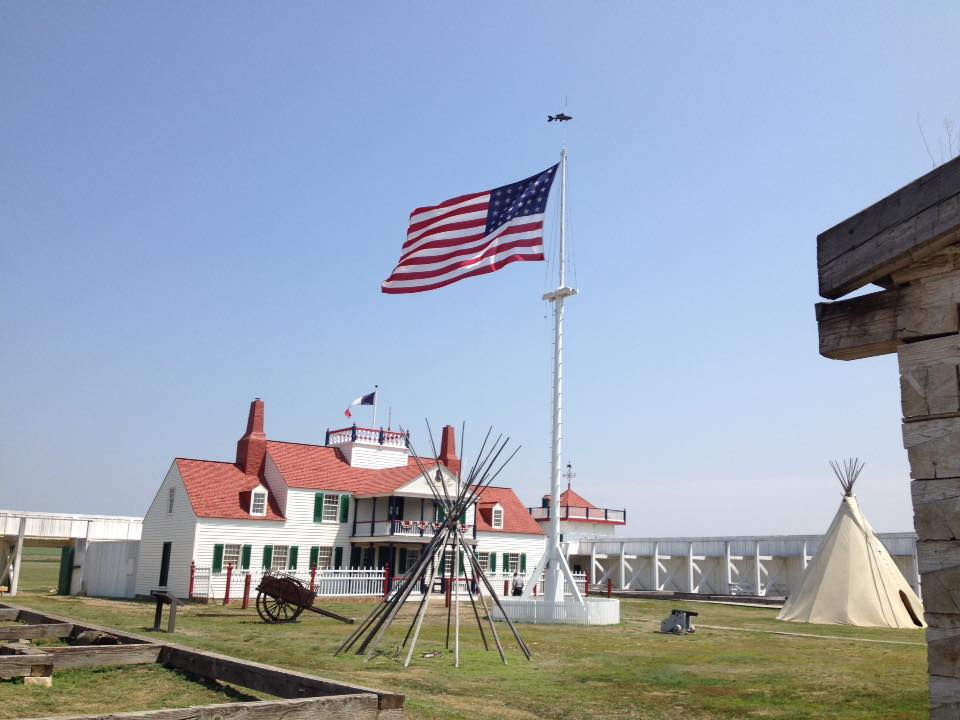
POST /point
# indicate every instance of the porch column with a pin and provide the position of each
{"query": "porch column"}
(728, 569)
(18, 556)
(690, 586)
(757, 578)
(656, 567)
(623, 567)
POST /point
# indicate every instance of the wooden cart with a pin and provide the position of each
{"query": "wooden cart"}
(281, 598)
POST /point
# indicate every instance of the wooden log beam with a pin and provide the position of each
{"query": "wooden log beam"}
(95, 655)
(879, 323)
(9, 614)
(24, 661)
(264, 678)
(35, 632)
(904, 227)
(339, 707)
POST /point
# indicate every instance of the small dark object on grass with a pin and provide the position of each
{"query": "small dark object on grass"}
(432, 654)
(678, 622)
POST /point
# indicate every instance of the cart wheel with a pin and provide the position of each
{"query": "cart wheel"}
(275, 610)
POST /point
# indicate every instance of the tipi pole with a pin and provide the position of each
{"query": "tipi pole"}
(516, 633)
(456, 612)
(421, 612)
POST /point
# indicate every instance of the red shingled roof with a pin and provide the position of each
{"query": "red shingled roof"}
(516, 519)
(221, 490)
(569, 497)
(317, 467)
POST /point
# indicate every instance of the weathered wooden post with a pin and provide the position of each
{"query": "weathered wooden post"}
(193, 575)
(246, 592)
(909, 244)
(609, 587)
(226, 593)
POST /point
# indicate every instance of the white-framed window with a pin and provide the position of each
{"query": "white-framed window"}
(281, 554)
(497, 517)
(324, 557)
(170, 498)
(413, 555)
(231, 556)
(483, 559)
(511, 562)
(331, 508)
(258, 502)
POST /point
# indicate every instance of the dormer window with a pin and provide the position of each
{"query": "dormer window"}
(497, 517)
(258, 502)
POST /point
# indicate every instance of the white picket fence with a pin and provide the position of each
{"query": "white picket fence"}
(338, 583)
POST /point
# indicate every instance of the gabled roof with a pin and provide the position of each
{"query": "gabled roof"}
(569, 497)
(516, 519)
(318, 467)
(221, 490)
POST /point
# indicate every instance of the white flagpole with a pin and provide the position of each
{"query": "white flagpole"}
(558, 569)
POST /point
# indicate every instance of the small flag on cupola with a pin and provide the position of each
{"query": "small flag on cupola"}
(368, 399)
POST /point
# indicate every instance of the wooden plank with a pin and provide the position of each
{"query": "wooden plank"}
(936, 508)
(943, 651)
(944, 697)
(933, 448)
(94, 655)
(32, 665)
(911, 223)
(879, 323)
(264, 678)
(8, 614)
(340, 707)
(35, 632)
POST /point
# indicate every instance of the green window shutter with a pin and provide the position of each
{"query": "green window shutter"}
(355, 556)
(523, 562)
(292, 558)
(217, 558)
(337, 557)
(506, 562)
(245, 557)
(441, 514)
(493, 562)
(344, 508)
(462, 571)
(463, 518)
(318, 507)
(267, 556)
(314, 556)
(402, 562)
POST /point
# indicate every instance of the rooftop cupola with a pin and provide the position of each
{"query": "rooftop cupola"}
(252, 447)
(370, 448)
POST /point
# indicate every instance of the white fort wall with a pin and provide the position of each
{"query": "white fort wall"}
(738, 565)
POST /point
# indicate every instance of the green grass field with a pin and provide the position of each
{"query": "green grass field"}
(735, 666)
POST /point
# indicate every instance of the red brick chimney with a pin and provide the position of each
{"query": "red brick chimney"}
(448, 449)
(252, 447)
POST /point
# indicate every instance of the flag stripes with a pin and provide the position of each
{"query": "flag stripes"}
(472, 235)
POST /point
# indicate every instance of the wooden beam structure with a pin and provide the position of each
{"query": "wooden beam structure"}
(909, 243)
(304, 696)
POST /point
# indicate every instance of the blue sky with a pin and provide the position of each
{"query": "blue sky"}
(199, 202)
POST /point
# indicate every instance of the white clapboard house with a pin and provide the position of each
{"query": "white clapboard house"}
(336, 513)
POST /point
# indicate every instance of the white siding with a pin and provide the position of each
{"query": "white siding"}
(275, 483)
(160, 526)
(498, 542)
(110, 568)
(375, 457)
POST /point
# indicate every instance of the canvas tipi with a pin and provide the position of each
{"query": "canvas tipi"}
(852, 580)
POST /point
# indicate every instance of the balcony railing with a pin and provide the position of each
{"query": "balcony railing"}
(370, 436)
(401, 528)
(573, 512)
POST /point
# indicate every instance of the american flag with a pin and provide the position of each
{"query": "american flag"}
(472, 235)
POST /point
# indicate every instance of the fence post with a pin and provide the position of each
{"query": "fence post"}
(246, 592)
(313, 578)
(446, 597)
(193, 573)
(386, 580)
(226, 594)
(609, 587)
(506, 588)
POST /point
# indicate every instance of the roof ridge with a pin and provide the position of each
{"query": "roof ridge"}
(292, 442)
(218, 462)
